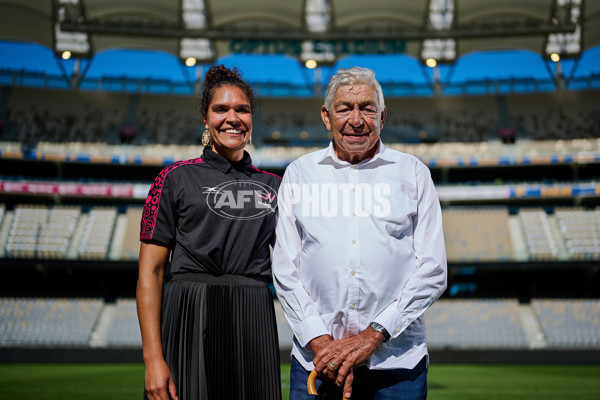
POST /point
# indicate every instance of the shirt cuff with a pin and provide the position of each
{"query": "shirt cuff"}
(388, 319)
(311, 328)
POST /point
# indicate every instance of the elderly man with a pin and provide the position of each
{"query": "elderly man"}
(359, 255)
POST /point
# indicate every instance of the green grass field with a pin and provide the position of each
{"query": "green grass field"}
(446, 382)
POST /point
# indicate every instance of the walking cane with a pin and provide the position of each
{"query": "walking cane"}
(310, 384)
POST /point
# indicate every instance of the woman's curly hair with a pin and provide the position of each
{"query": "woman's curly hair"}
(217, 76)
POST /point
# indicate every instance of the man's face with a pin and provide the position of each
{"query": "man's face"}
(355, 122)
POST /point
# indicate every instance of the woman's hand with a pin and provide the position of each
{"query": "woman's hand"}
(158, 381)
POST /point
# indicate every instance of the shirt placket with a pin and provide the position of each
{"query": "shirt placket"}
(354, 259)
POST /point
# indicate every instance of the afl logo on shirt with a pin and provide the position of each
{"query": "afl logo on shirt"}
(241, 199)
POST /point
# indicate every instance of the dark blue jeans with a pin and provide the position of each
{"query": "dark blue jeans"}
(404, 384)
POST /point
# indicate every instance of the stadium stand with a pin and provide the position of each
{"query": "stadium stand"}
(569, 322)
(131, 235)
(48, 321)
(554, 116)
(581, 232)
(451, 324)
(521, 229)
(27, 222)
(57, 234)
(477, 234)
(124, 329)
(35, 115)
(475, 324)
(97, 233)
(473, 234)
(52, 115)
(508, 236)
(538, 234)
(168, 119)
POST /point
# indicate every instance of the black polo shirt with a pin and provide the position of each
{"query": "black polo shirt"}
(216, 215)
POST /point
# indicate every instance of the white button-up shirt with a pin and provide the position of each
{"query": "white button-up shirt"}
(358, 243)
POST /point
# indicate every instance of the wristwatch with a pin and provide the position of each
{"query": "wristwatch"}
(379, 328)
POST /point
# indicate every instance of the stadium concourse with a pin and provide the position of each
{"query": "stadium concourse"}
(516, 163)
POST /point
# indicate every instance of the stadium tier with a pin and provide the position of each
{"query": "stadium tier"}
(48, 321)
(473, 234)
(34, 115)
(474, 324)
(123, 327)
(569, 323)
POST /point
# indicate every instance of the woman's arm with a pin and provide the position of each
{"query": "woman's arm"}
(153, 262)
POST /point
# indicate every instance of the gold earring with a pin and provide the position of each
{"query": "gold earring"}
(205, 138)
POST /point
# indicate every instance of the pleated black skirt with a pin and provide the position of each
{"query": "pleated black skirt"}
(219, 338)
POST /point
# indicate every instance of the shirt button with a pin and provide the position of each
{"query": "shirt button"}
(354, 189)
(354, 214)
(353, 241)
(353, 273)
(352, 306)
(398, 329)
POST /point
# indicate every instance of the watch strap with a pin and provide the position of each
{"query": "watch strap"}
(381, 329)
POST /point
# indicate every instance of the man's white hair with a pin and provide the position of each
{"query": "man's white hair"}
(353, 76)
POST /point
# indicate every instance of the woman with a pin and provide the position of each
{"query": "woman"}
(211, 334)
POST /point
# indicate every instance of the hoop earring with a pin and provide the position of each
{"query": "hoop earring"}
(250, 140)
(206, 138)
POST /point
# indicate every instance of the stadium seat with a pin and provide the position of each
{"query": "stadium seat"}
(477, 234)
(475, 324)
(538, 236)
(47, 321)
(569, 323)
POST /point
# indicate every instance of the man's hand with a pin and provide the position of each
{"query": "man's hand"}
(346, 354)
(159, 383)
(318, 345)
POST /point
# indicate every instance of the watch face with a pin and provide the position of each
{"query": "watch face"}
(381, 329)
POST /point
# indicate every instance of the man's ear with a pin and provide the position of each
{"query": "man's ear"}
(383, 116)
(325, 117)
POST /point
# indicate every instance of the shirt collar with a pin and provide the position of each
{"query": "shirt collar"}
(223, 164)
(380, 153)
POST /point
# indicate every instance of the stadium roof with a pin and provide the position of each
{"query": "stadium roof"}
(320, 29)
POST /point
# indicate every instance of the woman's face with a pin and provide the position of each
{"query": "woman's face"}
(229, 121)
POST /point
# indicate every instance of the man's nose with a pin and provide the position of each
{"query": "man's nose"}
(355, 117)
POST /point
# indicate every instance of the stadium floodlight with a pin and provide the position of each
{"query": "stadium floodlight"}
(431, 62)
(317, 18)
(311, 64)
(66, 55)
(555, 57)
(320, 52)
(318, 15)
(193, 14)
(439, 18)
(77, 43)
(439, 49)
(565, 44)
(199, 49)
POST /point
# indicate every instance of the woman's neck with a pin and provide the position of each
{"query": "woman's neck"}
(231, 155)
